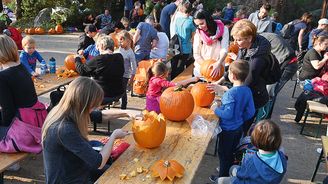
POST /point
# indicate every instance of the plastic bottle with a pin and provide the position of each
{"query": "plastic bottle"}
(43, 68)
(52, 65)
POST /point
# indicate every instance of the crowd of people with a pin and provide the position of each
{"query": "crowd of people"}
(113, 51)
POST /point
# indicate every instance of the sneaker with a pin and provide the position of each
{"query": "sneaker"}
(213, 178)
(14, 167)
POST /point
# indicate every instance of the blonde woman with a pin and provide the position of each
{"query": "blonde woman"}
(68, 156)
(16, 86)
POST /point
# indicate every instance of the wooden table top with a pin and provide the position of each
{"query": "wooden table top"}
(324, 140)
(9, 159)
(50, 82)
(179, 144)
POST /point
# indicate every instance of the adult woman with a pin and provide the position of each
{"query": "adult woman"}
(211, 41)
(16, 86)
(301, 27)
(315, 59)
(107, 69)
(68, 156)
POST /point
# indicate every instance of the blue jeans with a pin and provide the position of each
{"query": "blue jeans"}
(142, 56)
(228, 141)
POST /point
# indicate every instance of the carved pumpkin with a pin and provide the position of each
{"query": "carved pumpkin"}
(52, 31)
(59, 29)
(167, 169)
(149, 132)
(233, 48)
(202, 96)
(70, 62)
(139, 86)
(206, 69)
(176, 103)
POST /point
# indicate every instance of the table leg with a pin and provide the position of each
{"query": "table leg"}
(1, 178)
(317, 166)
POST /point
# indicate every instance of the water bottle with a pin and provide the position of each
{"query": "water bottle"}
(52, 65)
(43, 68)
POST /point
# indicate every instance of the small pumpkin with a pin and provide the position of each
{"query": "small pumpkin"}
(20, 30)
(70, 62)
(202, 96)
(149, 132)
(59, 29)
(51, 31)
(233, 48)
(115, 38)
(31, 31)
(26, 30)
(176, 103)
(39, 30)
(139, 85)
(206, 69)
(167, 169)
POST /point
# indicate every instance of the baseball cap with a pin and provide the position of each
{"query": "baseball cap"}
(323, 21)
(90, 28)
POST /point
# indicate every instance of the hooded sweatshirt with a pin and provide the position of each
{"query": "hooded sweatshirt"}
(255, 170)
(262, 25)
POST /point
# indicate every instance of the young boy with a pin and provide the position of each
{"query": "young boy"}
(29, 56)
(237, 107)
(86, 39)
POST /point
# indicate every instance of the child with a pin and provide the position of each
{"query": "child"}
(126, 23)
(268, 164)
(237, 107)
(157, 81)
(91, 51)
(86, 39)
(130, 65)
(228, 12)
(136, 15)
(29, 55)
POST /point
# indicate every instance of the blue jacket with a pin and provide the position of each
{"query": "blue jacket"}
(256, 171)
(29, 61)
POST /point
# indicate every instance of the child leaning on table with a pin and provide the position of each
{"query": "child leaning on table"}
(237, 106)
(29, 56)
(157, 82)
(267, 165)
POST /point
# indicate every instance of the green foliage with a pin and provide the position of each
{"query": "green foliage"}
(75, 18)
(25, 22)
(211, 4)
(59, 15)
(31, 7)
(11, 5)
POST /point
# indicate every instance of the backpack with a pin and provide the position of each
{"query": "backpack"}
(272, 73)
(175, 45)
(287, 30)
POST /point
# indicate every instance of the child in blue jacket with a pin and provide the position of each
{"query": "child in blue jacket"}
(29, 56)
(237, 107)
(267, 165)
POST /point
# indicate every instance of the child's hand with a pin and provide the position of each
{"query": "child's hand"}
(214, 106)
(119, 133)
(232, 56)
(216, 88)
(35, 74)
(80, 52)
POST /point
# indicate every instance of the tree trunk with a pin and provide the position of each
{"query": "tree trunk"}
(18, 9)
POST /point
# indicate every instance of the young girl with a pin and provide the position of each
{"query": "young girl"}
(29, 55)
(157, 81)
(67, 153)
(268, 164)
(130, 65)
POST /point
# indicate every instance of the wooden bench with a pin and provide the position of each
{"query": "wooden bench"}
(179, 144)
(9, 159)
(317, 108)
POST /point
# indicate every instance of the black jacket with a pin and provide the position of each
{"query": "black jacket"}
(84, 42)
(257, 56)
(107, 70)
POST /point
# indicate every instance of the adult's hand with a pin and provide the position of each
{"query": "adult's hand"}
(216, 69)
(119, 133)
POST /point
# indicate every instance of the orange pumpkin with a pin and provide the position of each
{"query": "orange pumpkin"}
(167, 169)
(206, 69)
(149, 132)
(115, 38)
(20, 30)
(176, 103)
(39, 30)
(233, 48)
(139, 85)
(52, 31)
(202, 96)
(70, 62)
(31, 31)
(59, 29)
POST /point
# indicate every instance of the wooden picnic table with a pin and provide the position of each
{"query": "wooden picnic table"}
(50, 82)
(9, 159)
(179, 144)
(324, 140)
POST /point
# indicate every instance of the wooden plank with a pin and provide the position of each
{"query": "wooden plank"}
(186, 74)
(324, 140)
(179, 144)
(9, 159)
(50, 82)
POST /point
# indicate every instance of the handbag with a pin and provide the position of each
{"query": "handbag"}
(55, 96)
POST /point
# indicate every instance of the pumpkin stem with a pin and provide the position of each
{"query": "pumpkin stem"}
(167, 163)
(178, 88)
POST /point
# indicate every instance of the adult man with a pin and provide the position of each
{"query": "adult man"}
(166, 15)
(261, 19)
(145, 38)
(320, 30)
(105, 19)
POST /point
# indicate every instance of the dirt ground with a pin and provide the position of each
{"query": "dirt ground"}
(301, 150)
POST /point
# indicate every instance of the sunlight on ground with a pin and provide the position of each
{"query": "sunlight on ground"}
(296, 181)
